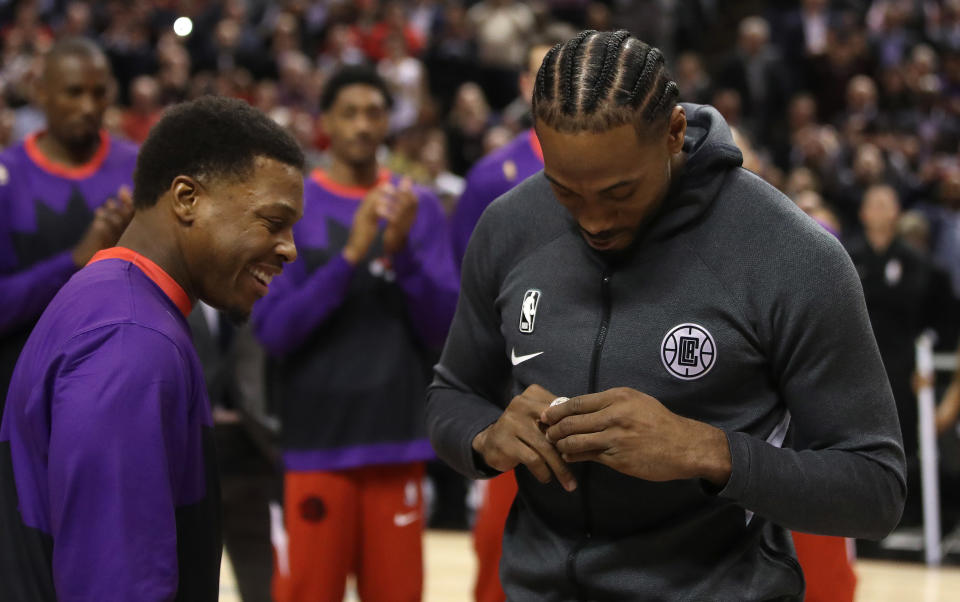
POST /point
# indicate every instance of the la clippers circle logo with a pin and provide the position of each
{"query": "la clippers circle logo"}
(688, 351)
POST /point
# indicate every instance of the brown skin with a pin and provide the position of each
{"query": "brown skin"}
(517, 438)
(74, 93)
(109, 222)
(611, 183)
(357, 123)
(207, 235)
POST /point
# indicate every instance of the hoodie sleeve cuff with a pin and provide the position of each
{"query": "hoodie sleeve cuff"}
(739, 468)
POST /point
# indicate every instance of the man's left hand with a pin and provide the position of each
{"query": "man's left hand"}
(633, 433)
(400, 213)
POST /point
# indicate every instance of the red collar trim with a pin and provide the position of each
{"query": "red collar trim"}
(354, 192)
(154, 272)
(74, 173)
(535, 145)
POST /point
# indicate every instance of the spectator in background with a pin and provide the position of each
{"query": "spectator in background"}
(729, 103)
(756, 72)
(502, 28)
(811, 203)
(948, 410)
(342, 47)
(393, 24)
(945, 222)
(805, 34)
(145, 108)
(914, 229)
(174, 71)
(371, 293)
(406, 80)
(801, 179)
(425, 17)
(77, 21)
(897, 288)
(468, 121)
(869, 169)
(447, 185)
(61, 192)
(692, 78)
(451, 58)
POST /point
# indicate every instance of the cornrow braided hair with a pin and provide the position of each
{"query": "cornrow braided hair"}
(545, 75)
(600, 80)
(605, 78)
(568, 62)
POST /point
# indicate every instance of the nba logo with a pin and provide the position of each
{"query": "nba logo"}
(688, 351)
(528, 310)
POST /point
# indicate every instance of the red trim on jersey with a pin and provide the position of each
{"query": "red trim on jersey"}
(154, 272)
(535, 144)
(74, 173)
(354, 192)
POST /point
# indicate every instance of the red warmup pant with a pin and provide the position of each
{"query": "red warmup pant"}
(824, 560)
(365, 521)
(826, 566)
(488, 536)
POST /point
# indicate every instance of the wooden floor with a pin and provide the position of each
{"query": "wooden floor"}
(450, 570)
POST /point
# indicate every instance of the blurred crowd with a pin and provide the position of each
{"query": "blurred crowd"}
(832, 96)
(832, 101)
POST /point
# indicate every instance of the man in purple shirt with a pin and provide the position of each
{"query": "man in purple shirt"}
(351, 325)
(108, 484)
(56, 193)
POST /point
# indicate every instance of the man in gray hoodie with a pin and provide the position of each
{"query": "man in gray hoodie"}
(724, 384)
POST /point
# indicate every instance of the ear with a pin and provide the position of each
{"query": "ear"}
(185, 193)
(677, 130)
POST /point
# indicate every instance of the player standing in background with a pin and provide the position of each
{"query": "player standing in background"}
(351, 325)
(108, 478)
(64, 192)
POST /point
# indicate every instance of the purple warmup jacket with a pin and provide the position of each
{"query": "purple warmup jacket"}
(108, 482)
(492, 176)
(44, 210)
(352, 346)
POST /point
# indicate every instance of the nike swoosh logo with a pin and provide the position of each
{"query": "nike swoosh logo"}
(402, 520)
(519, 359)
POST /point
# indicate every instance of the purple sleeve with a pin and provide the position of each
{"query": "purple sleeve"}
(297, 304)
(119, 449)
(426, 273)
(465, 216)
(25, 294)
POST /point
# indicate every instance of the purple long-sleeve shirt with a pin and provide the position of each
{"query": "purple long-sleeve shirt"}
(44, 210)
(492, 176)
(108, 485)
(351, 343)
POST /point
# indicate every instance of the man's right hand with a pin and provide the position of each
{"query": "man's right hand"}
(365, 226)
(515, 438)
(109, 222)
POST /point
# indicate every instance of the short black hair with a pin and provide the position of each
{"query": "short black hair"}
(209, 137)
(596, 81)
(351, 75)
(74, 46)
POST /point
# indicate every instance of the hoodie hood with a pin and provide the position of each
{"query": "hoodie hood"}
(710, 155)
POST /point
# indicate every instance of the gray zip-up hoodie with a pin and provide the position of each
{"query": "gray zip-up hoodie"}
(733, 308)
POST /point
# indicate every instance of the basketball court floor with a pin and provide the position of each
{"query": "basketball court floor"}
(450, 568)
